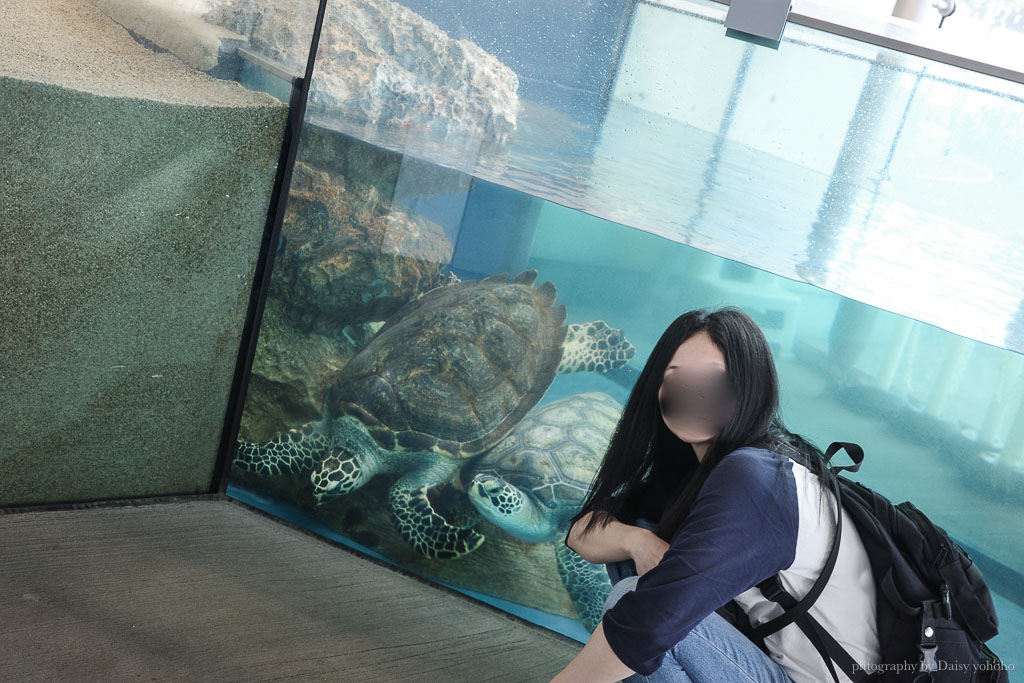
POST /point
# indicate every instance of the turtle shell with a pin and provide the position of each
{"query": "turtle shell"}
(556, 450)
(453, 371)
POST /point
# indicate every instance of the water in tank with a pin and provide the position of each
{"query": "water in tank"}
(487, 230)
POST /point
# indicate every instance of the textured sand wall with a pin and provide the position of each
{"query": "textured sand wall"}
(132, 206)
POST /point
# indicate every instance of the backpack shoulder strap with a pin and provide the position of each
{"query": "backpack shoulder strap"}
(827, 646)
(770, 587)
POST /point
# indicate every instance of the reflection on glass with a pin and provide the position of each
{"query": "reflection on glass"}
(826, 161)
(451, 330)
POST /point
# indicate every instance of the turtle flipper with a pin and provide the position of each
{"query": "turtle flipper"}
(595, 347)
(457, 508)
(422, 527)
(587, 583)
(296, 450)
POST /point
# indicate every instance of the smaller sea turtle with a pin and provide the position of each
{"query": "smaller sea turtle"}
(535, 479)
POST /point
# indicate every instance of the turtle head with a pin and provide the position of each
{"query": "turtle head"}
(507, 507)
(341, 472)
(594, 346)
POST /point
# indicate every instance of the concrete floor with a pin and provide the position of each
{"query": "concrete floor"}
(210, 590)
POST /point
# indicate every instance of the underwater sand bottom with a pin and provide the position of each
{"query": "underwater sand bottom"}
(72, 44)
(210, 590)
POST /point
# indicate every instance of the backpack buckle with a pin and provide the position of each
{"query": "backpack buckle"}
(928, 662)
(771, 588)
(929, 610)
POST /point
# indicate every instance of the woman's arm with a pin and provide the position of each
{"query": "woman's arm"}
(603, 545)
(595, 663)
(741, 529)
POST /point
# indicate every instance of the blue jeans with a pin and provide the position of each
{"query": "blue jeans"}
(713, 652)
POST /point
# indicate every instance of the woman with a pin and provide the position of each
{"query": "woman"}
(703, 494)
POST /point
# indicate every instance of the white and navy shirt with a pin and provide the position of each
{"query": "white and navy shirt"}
(757, 514)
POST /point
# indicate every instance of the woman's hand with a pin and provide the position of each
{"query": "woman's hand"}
(646, 548)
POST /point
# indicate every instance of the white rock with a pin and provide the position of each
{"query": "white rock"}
(381, 64)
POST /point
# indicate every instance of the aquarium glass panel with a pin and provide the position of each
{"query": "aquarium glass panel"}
(883, 177)
(135, 181)
(462, 301)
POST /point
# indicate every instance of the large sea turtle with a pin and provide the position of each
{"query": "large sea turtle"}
(535, 479)
(444, 379)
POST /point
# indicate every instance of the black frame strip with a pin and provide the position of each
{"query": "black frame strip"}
(265, 264)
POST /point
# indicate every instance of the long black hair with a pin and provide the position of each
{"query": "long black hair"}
(645, 461)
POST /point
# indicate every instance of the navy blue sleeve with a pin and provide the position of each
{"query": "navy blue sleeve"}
(741, 529)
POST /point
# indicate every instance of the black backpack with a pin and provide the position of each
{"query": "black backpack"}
(934, 611)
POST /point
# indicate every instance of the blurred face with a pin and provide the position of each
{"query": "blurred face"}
(695, 397)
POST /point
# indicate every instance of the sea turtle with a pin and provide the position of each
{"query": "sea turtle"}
(443, 380)
(535, 479)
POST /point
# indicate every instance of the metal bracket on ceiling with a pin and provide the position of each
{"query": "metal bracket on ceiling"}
(758, 21)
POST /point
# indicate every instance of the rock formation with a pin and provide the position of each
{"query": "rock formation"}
(381, 64)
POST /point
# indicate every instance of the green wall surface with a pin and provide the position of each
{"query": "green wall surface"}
(130, 231)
